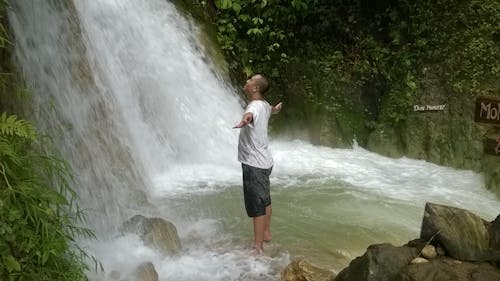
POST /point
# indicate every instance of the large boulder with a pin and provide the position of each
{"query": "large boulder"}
(155, 232)
(463, 235)
(302, 270)
(381, 262)
(373, 266)
(472, 246)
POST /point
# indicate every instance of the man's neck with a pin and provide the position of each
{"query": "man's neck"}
(256, 96)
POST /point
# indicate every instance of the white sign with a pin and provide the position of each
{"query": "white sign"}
(423, 108)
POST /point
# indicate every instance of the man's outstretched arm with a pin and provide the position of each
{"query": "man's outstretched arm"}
(247, 118)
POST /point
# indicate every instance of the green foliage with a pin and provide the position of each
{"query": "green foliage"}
(256, 33)
(390, 44)
(458, 41)
(37, 221)
(11, 126)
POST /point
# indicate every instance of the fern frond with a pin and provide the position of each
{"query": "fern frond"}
(11, 126)
(8, 152)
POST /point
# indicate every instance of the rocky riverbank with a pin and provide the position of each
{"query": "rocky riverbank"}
(454, 244)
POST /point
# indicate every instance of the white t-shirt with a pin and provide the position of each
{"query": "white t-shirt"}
(253, 144)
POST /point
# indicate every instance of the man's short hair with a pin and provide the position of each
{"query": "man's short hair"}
(262, 83)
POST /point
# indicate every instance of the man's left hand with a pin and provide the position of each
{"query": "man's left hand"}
(277, 107)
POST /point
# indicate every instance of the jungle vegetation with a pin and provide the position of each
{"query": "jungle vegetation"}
(315, 51)
(39, 217)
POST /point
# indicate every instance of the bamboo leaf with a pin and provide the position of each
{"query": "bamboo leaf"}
(11, 264)
(53, 197)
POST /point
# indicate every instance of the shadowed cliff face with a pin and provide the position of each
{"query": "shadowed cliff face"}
(438, 128)
(447, 137)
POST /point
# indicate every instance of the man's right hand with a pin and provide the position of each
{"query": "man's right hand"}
(247, 118)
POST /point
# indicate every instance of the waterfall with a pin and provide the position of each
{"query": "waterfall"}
(144, 117)
(128, 92)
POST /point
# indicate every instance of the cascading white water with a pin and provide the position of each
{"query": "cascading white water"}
(130, 93)
(145, 119)
(178, 110)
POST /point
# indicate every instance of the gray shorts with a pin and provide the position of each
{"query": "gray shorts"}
(256, 190)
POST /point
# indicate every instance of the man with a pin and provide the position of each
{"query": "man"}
(256, 159)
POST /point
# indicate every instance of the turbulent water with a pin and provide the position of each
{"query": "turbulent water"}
(133, 102)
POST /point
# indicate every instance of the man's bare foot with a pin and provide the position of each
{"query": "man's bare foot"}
(255, 251)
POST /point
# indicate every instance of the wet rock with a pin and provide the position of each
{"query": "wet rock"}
(380, 263)
(462, 234)
(438, 269)
(146, 272)
(459, 232)
(418, 260)
(440, 251)
(155, 232)
(429, 252)
(302, 270)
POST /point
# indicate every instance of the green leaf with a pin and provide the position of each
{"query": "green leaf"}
(53, 197)
(45, 257)
(248, 71)
(411, 84)
(236, 8)
(257, 21)
(244, 17)
(223, 4)
(11, 264)
(299, 5)
(14, 215)
(8, 151)
(11, 126)
(256, 31)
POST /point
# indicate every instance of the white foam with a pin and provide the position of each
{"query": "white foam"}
(301, 165)
(205, 257)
